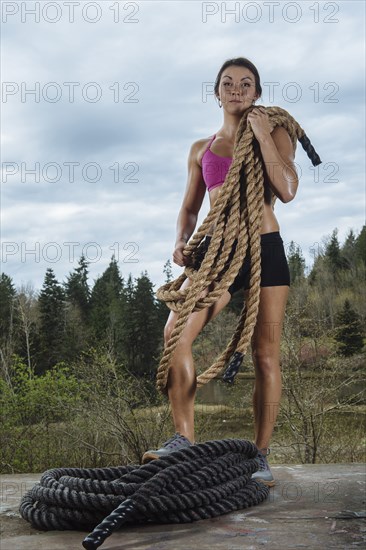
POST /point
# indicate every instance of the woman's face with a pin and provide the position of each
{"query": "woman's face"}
(237, 89)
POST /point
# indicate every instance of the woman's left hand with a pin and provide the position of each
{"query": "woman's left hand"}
(260, 123)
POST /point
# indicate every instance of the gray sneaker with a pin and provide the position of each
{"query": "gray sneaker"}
(175, 443)
(264, 473)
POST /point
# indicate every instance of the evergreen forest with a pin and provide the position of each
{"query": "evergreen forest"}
(78, 363)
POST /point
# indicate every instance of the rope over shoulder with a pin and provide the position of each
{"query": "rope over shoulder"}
(237, 213)
(202, 481)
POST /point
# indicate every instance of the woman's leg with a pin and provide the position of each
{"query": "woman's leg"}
(266, 359)
(182, 375)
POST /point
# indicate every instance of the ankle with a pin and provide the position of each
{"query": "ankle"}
(190, 438)
(187, 435)
(265, 451)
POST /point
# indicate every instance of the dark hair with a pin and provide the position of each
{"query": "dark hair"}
(240, 62)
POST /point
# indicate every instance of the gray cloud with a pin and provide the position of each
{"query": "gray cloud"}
(169, 56)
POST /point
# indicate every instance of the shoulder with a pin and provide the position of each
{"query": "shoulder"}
(198, 148)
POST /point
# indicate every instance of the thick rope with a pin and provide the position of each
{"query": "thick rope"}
(198, 482)
(237, 213)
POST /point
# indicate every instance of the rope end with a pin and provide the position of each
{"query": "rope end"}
(233, 367)
(114, 521)
(309, 149)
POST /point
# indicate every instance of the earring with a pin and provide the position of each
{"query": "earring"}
(219, 102)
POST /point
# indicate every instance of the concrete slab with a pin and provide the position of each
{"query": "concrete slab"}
(311, 506)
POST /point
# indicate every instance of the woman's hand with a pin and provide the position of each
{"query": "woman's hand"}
(178, 256)
(260, 123)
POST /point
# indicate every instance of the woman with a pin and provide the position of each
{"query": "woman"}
(237, 87)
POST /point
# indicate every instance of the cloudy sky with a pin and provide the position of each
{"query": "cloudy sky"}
(101, 102)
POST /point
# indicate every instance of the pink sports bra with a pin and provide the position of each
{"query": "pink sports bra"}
(214, 167)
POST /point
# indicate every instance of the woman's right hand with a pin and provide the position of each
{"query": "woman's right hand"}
(178, 256)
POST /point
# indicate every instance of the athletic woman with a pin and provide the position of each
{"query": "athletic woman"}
(237, 87)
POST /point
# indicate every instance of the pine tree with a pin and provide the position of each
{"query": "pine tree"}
(77, 309)
(333, 253)
(7, 297)
(349, 331)
(107, 303)
(129, 289)
(167, 270)
(360, 246)
(129, 340)
(143, 333)
(348, 251)
(8, 324)
(77, 289)
(52, 322)
(296, 263)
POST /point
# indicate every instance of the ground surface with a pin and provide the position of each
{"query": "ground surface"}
(311, 506)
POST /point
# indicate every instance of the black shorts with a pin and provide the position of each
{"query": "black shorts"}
(274, 266)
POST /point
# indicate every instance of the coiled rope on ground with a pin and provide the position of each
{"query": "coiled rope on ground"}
(198, 482)
(237, 213)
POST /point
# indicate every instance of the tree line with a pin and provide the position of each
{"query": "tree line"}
(123, 316)
(65, 319)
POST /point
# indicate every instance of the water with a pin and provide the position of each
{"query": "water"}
(217, 392)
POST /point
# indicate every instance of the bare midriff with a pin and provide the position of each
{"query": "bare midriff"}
(269, 220)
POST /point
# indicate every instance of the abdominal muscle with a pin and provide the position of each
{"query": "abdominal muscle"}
(269, 220)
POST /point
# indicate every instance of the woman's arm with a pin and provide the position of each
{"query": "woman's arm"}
(191, 204)
(278, 155)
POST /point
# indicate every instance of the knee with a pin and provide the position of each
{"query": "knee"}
(265, 363)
